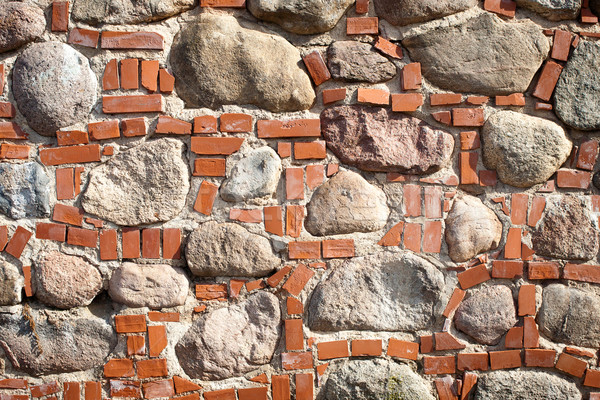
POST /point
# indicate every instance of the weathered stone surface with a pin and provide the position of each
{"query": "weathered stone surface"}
(481, 55)
(146, 184)
(254, 176)
(11, 284)
(20, 23)
(96, 12)
(376, 139)
(358, 62)
(65, 281)
(525, 385)
(566, 231)
(487, 315)
(305, 17)
(471, 228)
(151, 285)
(375, 379)
(63, 344)
(232, 340)
(397, 292)
(577, 93)
(229, 250)
(406, 12)
(570, 315)
(346, 203)
(554, 10)
(254, 67)
(524, 150)
(24, 190)
(54, 86)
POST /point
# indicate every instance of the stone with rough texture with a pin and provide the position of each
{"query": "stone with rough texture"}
(471, 228)
(254, 176)
(11, 284)
(305, 17)
(397, 292)
(20, 23)
(570, 315)
(376, 139)
(61, 344)
(577, 94)
(525, 385)
(566, 231)
(24, 190)
(375, 379)
(346, 203)
(487, 315)
(524, 150)
(358, 62)
(229, 250)
(152, 285)
(146, 184)
(54, 86)
(481, 55)
(65, 281)
(254, 68)
(232, 340)
(554, 10)
(95, 12)
(406, 12)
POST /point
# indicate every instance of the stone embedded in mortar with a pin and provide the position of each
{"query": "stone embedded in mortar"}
(406, 12)
(524, 150)
(20, 23)
(24, 190)
(231, 341)
(146, 184)
(218, 62)
(11, 284)
(566, 231)
(253, 177)
(481, 55)
(95, 12)
(228, 249)
(487, 315)
(358, 62)
(554, 10)
(471, 228)
(395, 292)
(305, 17)
(65, 281)
(376, 139)
(54, 86)
(524, 385)
(577, 93)
(346, 203)
(375, 379)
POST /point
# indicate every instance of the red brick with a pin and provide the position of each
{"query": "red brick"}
(130, 79)
(10, 130)
(151, 243)
(157, 316)
(248, 216)
(104, 130)
(166, 81)
(223, 3)
(547, 81)
(7, 110)
(93, 391)
(294, 219)
(298, 280)
(439, 365)
(579, 352)
(412, 200)
(255, 285)
(588, 153)
(68, 138)
(310, 150)
(507, 8)
(445, 341)
(136, 345)
(366, 348)
(18, 241)
(445, 99)
(132, 104)
(82, 237)
(131, 40)
(406, 102)
(514, 338)
(362, 26)
(333, 95)
(119, 368)
(433, 202)
(157, 389)
(14, 384)
(134, 127)
(150, 75)
(216, 145)
(98, 223)
(50, 231)
(515, 99)
(561, 45)
(477, 100)
(210, 167)
(505, 269)
(314, 176)
(531, 336)
(290, 361)
(411, 76)
(256, 393)
(540, 358)
(131, 243)
(84, 37)
(468, 168)
(444, 388)
(205, 124)
(340, 248)
(582, 273)
(304, 387)
(543, 270)
(172, 126)
(271, 129)
(443, 117)
(488, 178)
(573, 179)
(455, 300)
(14, 151)
(19, 397)
(472, 361)
(71, 391)
(468, 116)
(592, 378)
(316, 67)
(432, 237)
(224, 394)
(403, 349)
(571, 365)
(518, 208)
(505, 359)
(155, 368)
(278, 276)
(379, 97)
(334, 349)
(235, 123)
(273, 220)
(388, 48)
(206, 198)
(183, 385)
(27, 278)
(526, 300)
(294, 183)
(587, 17)
(120, 388)
(537, 209)
(469, 382)
(512, 249)
(280, 387)
(539, 106)
(412, 237)
(45, 389)
(294, 306)
(362, 6)
(65, 188)
(157, 340)
(473, 276)
(393, 237)
(332, 169)
(595, 396)
(211, 292)
(108, 244)
(426, 342)
(294, 336)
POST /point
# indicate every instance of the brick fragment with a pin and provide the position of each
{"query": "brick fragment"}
(223, 3)
(294, 220)
(310, 150)
(507, 269)
(255, 285)
(512, 249)
(445, 99)
(468, 117)
(166, 81)
(527, 300)
(379, 97)
(119, 388)
(582, 273)
(1, 78)
(426, 343)
(130, 79)
(439, 365)
(27, 276)
(547, 81)
(235, 123)
(294, 183)
(333, 349)
(248, 216)
(294, 336)
(93, 391)
(571, 365)
(7, 110)
(543, 270)
(472, 361)
(403, 349)
(333, 95)
(271, 129)
(411, 76)
(150, 75)
(290, 361)
(172, 126)
(131, 243)
(273, 220)
(148, 103)
(444, 389)
(211, 292)
(314, 175)
(412, 200)
(406, 102)
(515, 99)
(215, 167)
(468, 168)
(561, 45)
(445, 341)
(332, 169)
(540, 358)
(579, 352)
(588, 153)
(206, 198)
(119, 368)
(130, 323)
(171, 245)
(412, 237)
(455, 300)
(362, 26)
(278, 276)
(531, 336)
(256, 393)
(477, 100)
(505, 359)
(18, 241)
(514, 338)
(592, 379)
(340, 248)
(294, 306)
(362, 6)
(573, 179)
(84, 37)
(45, 389)
(71, 391)
(473, 276)
(216, 145)
(367, 348)
(518, 208)
(316, 67)
(280, 387)
(304, 387)
(205, 124)
(155, 368)
(539, 106)
(506, 8)
(134, 127)
(131, 40)
(538, 205)
(136, 345)
(183, 385)
(157, 340)
(69, 138)
(443, 117)
(432, 237)
(104, 130)
(393, 237)
(298, 280)
(14, 384)
(10, 130)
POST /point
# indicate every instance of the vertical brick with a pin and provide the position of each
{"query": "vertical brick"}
(412, 200)
(172, 243)
(507, 8)
(131, 243)
(547, 81)
(469, 140)
(93, 391)
(455, 300)
(280, 387)
(206, 198)
(108, 244)
(588, 153)
(27, 278)
(60, 16)
(304, 387)
(512, 249)
(514, 338)
(294, 220)
(561, 45)
(298, 280)
(71, 391)
(316, 67)
(65, 186)
(294, 336)
(433, 202)
(1, 78)
(130, 79)
(531, 336)
(157, 339)
(432, 237)
(294, 183)
(538, 205)
(18, 241)
(526, 300)
(411, 76)
(412, 237)
(273, 220)
(166, 81)
(468, 168)
(136, 345)
(151, 243)
(150, 75)
(518, 208)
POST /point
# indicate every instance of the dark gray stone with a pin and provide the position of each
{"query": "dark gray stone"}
(24, 190)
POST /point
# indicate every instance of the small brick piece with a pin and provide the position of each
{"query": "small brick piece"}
(3, 237)
(540, 358)
(136, 345)
(183, 385)
(150, 75)
(588, 154)
(205, 124)
(223, 3)
(433, 202)
(216, 145)
(582, 273)
(211, 292)
(547, 81)
(512, 249)
(1, 78)
(505, 359)
(573, 179)
(130, 79)
(539, 106)
(455, 300)
(538, 205)
(69, 138)
(468, 116)
(27, 278)
(362, 26)
(120, 388)
(367, 348)
(104, 130)
(65, 186)
(294, 219)
(333, 95)
(469, 140)
(14, 384)
(10, 130)
(507, 8)
(278, 276)
(108, 245)
(224, 394)
(388, 48)
(7, 110)
(45, 389)
(587, 17)
(235, 123)
(71, 391)
(290, 361)
(469, 382)
(403, 349)
(314, 175)
(362, 6)
(412, 237)
(84, 37)
(515, 99)
(294, 336)
(477, 100)
(294, 306)
(592, 379)
(445, 99)
(280, 387)
(340, 248)
(411, 76)
(579, 352)
(256, 393)
(304, 387)
(406, 102)
(254, 285)
(531, 336)
(468, 168)
(334, 349)
(571, 365)
(215, 167)
(472, 361)
(134, 127)
(294, 183)
(514, 338)
(18, 241)
(445, 341)
(166, 81)
(298, 280)
(439, 365)
(172, 126)
(206, 198)
(526, 300)
(131, 243)
(316, 67)
(379, 97)
(543, 270)
(157, 340)
(443, 117)
(273, 220)
(518, 208)
(504, 269)
(561, 45)
(130, 323)
(444, 388)
(473, 276)
(310, 150)
(432, 237)
(14, 151)
(412, 200)
(60, 16)
(131, 40)
(119, 368)
(426, 343)
(155, 368)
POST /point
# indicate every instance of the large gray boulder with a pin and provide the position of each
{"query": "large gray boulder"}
(95, 12)
(525, 385)
(358, 62)
(20, 23)
(24, 190)
(554, 10)
(406, 12)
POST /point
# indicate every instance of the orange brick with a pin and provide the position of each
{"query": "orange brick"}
(540, 358)
(539, 106)
(378, 97)
(108, 244)
(365, 348)
(278, 276)
(393, 237)
(457, 297)
(473, 276)
(304, 387)
(155, 368)
(171, 243)
(316, 67)
(469, 382)
(333, 95)
(10, 130)
(166, 81)
(130, 323)
(148, 103)
(206, 198)
(507, 8)
(531, 336)
(119, 368)
(272, 129)
(290, 361)
(294, 336)
(298, 280)
(248, 216)
(518, 208)
(294, 219)
(411, 76)
(223, 3)
(294, 183)
(582, 273)
(119, 388)
(362, 6)
(505, 359)
(14, 151)
(280, 387)
(571, 365)
(157, 340)
(512, 249)
(561, 45)
(469, 140)
(514, 338)
(443, 117)
(543, 270)
(150, 75)
(183, 385)
(45, 389)
(505, 269)
(445, 388)
(406, 102)
(27, 277)
(71, 391)
(468, 168)
(472, 361)
(1, 78)
(225, 394)
(412, 237)
(60, 16)
(134, 127)
(388, 48)
(273, 220)
(547, 81)
(255, 285)
(215, 167)
(538, 205)
(403, 349)
(65, 183)
(131, 40)
(18, 241)
(579, 352)
(136, 345)
(468, 116)
(235, 123)
(314, 175)
(131, 243)
(15, 384)
(284, 149)
(515, 99)
(211, 292)
(445, 99)
(110, 79)
(69, 155)
(294, 306)
(216, 145)
(439, 365)
(526, 300)
(432, 236)
(588, 154)
(426, 343)
(7, 110)
(130, 78)
(93, 391)
(445, 341)
(310, 150)
(256, 393)
(340, 248)
(477, 100)
(362, 26)
(157, 316)
(205, 124)
(172, 126)
(334, 349)
(68, 214)
(573, 179)
(412, 200)
(151, 243)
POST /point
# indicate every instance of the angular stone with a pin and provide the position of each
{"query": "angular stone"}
(569, 315)
(24, 190)
(346, 203)
(554, 10)
(54, 86)
(524, 385)
(471, 228)
(358, 62)
(481, 55)
(376, 139)
(95, 12)
(487, 315)
(11, 284)
(524, 150)
(305, 17)
(577, 93)
(229, 250)
(397, 292)
(253, 67)
(375, 379)
(406, 12)
(65, 281)
(20, 23)
(61, 344)
(233, 340)
(253, 177)
(146, 184)
(151, 285)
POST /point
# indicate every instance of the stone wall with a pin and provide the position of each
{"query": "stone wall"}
(328, 199)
